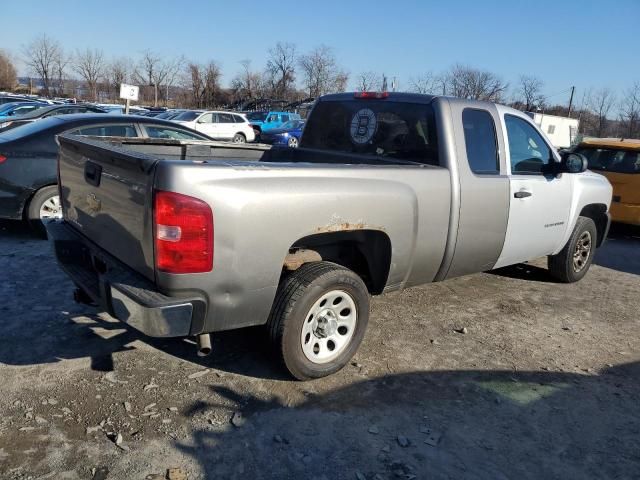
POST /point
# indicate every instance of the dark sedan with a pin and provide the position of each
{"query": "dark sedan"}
(287, 135)
(46, 112)
(28, 178)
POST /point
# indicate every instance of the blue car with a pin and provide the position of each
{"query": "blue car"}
(288, 134)
(267, 121)
(18, 108)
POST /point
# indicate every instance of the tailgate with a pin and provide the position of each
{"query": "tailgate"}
(107, 195)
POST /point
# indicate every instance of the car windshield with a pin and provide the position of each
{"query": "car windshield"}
(187, 116)
(257, 116)
(290, 125)
(403, 131)
(612, 159)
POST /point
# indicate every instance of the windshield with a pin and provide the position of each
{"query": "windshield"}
(612, 159)
(257, 116)
(290, 125)
(404, 131)
(187, 116)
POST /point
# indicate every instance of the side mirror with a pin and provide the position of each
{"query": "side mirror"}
(574, 162)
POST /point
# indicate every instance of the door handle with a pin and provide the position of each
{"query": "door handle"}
(522, 194)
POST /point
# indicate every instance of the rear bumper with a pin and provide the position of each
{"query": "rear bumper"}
(625, 213)
(122, 292)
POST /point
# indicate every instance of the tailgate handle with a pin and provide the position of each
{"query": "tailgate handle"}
(92, 173)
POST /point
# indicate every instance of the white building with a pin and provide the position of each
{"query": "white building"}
(561, 131)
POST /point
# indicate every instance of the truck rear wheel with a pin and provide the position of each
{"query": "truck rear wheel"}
(319, 318)
(573, 261)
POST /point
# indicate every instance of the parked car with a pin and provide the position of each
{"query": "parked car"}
(28, 158)
(218, 125)
(385, 192)
(17, 98)
(619, 161)
(170, 114)
(288, 134)
(46, 112)
(16, 109)
(266, 121)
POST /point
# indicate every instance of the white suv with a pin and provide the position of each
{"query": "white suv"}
(218, 125)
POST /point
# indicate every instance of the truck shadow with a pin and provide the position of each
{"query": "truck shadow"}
(621, 251)
(436, 425)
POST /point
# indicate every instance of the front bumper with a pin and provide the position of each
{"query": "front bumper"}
(119, 290)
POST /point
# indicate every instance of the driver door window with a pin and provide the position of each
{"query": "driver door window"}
(528, 152)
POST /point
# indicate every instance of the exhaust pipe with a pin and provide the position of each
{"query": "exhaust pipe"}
(204, 344)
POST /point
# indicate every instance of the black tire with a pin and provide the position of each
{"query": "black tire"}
(562, 265)
(296, 295)
(239, 138)
(36, 203)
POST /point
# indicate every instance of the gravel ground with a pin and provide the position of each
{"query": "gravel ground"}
(543, 384)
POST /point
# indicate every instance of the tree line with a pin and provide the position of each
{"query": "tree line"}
(290, 75)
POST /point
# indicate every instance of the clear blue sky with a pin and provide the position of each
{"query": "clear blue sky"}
(564, 42)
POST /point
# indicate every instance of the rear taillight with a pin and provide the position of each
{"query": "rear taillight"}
(371, 95)
(183, 228)
(2, 158)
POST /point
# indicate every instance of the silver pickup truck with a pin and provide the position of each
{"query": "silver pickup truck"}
(386, 191)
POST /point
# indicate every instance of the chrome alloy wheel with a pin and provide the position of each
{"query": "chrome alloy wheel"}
(329, 326)
(582, 252)
(51, 208)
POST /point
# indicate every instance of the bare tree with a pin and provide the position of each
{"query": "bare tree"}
(600, 104)
(630, 111)
(247, 84)
(204, 83)
(427, 83)
(368, 81)
(174, 68)
(41, 56)
(530, 92)
(60, 65)
(466, 82)
(321, 72)
(281, 68)
(117, 73)
(8, 78)
(90, 66)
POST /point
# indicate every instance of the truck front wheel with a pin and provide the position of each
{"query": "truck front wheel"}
(573, 261)
(319, 318)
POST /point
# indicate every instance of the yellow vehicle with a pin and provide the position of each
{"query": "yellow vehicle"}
(619, 161)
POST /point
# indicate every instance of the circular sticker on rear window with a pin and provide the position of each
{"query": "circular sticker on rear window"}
(363, 126)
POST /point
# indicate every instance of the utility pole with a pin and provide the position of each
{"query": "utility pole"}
(573, 89)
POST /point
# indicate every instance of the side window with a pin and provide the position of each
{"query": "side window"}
(528, 152)
(238, 119)
(272, 118)
(285, 118)
(480, 140)
(168, 132)
(206, 118)
(225, 118)
(122, 130)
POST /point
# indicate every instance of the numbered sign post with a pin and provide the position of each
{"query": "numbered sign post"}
(128, 93)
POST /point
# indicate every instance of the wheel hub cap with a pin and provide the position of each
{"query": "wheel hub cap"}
(329, 326)
(582, 252)
(51, 208)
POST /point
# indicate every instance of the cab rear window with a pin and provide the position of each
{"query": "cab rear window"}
(612, 160)
(395, 130)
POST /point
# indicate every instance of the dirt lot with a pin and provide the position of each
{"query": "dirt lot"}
(544, 384)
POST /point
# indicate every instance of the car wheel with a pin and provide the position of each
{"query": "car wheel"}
(573, 261)
(239, 138)
(292, 142)
(319, 318)
(43, 207)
